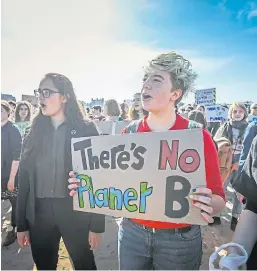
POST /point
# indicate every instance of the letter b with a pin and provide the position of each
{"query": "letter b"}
(177, 195)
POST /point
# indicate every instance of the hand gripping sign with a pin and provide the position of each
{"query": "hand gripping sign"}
(145, 175)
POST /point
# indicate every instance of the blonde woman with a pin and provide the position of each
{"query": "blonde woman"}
(234, 130)
(112, 110)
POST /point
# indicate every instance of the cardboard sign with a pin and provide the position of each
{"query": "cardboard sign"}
(205, 96)
(216, 113)
(144, 175)
(251, 118)
(111, 127)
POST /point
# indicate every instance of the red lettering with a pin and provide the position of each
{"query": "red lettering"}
(191, 166)
(168, 155)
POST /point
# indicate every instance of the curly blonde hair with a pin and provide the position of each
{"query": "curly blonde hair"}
(233, 106)
(182, 75)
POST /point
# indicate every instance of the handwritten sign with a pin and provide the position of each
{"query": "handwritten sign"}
(216, 113)
(144, 175)
(251, 118)
(111, 127)
(205, 96)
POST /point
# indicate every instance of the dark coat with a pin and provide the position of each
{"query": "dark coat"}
(26, 193)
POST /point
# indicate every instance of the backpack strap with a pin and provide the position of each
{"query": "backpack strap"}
(132, 127)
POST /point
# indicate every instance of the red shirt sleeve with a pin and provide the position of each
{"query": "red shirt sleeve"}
(213, 176)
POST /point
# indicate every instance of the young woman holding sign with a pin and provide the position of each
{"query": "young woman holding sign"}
(145, 244)
(44, 208)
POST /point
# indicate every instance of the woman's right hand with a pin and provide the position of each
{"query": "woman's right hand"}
(23, 238)
(73, 183)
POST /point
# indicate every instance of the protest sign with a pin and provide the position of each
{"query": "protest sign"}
(205, 96)
(216, 113)
(251, 118)
(111, 127)
(144, 175)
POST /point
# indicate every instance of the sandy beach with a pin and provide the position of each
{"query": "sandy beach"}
(15, 258)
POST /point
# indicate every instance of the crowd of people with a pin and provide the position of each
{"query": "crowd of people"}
(38, 178)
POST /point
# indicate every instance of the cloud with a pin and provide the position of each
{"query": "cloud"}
(252, 13)
(82, 43)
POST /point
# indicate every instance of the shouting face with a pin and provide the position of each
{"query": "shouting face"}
(157, 92)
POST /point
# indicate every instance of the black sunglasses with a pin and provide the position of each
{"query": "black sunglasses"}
(45, 93)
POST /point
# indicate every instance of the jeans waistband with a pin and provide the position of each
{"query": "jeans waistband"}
(171, 230)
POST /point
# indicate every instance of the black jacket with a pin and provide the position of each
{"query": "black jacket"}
(26, 193)
(11, 147)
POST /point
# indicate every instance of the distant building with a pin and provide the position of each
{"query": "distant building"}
(94, 102)
(30, 98)
(7, 97)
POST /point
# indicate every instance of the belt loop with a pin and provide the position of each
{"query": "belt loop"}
(154, 230)
(176, 230)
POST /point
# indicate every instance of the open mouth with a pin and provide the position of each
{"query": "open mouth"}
(146, 97)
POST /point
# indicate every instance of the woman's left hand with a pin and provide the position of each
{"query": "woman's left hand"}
(202, 199)
(94, 239)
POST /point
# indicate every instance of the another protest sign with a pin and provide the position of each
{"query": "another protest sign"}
(205, 96)
(216, 113)
(144, 175)
(111, 127)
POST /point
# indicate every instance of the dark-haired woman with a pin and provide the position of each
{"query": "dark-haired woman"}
(44, 209)
(22, 116)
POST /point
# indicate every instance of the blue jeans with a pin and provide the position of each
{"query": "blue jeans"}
(143, 249)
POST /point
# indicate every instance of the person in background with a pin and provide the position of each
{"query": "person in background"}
(23, 116)
(234, 130)
(201, 108)
(10, 156)
(189, 108)
(246, 230)
(111, 110)
(97, 113)
(13, 107)
(44, 209)
(155, 245)
(197, 116)
(136, 110)
(124, 111)
(253, 113)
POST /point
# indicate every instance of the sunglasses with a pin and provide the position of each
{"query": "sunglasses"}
(136, 100)
(45, 93)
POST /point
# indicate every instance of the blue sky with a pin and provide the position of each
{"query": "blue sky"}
(103, 49)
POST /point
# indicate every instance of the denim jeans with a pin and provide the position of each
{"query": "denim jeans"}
(143, 249)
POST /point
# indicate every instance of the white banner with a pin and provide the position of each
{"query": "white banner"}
(216, 113)
(205, 96)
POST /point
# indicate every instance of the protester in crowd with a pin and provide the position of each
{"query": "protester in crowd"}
(136, 110)
(201, 108)
(253, 113)
(112, 111)
(246, 230)
(234, 130)
(197, 116)
(250, 133)
(172, 246)
(44, 209)
(23, 116)
(124, 111)
(13, 107)
(97, 113)
(10, 156)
